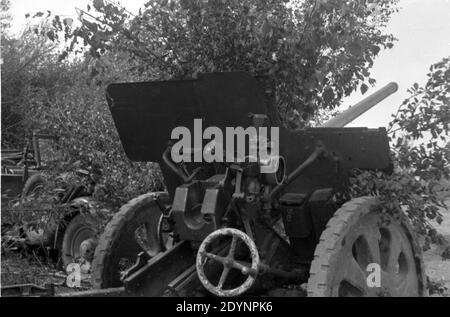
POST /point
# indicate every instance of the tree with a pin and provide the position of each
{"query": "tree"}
(5, 15)
(60, 97)
(29, 66)
(419, 134)
(318, 51)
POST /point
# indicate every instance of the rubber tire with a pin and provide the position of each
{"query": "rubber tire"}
(31, 183)
(75, 223)
(102, 277)
(330, 243)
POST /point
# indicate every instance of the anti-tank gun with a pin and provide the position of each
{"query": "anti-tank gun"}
(249, 225)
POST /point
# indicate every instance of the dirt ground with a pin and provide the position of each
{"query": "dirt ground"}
(17, 268)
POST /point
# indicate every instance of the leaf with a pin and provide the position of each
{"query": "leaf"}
(68, 21)
(375, 49)
(266, 29)
(185, 4)
(98, 4)
(355, 49)
(364, 88)
(328, 95)
(51, 35)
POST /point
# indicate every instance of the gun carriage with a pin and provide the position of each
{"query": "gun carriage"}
(228, 228)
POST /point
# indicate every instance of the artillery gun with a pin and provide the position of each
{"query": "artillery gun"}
(229, 229)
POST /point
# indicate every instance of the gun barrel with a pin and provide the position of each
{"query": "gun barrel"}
(364, 105)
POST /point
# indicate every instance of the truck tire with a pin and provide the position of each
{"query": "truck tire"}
(79, 229)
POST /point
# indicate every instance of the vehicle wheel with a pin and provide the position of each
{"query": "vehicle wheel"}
(357, 236)
(79, 239)
(33, 183)
(132, 230)
(166, 240)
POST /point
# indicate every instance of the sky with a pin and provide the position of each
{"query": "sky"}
(422, 28)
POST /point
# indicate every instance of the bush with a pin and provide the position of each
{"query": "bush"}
(419, 134)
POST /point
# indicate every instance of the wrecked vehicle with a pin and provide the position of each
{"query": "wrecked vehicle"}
(21, 169)
(68, 230)
(71, 231)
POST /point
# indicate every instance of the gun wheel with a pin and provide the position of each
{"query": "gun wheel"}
(364, 252)
(132, 230)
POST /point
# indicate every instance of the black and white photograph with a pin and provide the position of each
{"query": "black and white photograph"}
(238, 152)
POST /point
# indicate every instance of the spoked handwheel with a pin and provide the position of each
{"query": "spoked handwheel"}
(132, 230)
(229, 262)
(360, 243)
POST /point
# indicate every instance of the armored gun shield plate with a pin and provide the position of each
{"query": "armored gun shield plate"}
(146, 113)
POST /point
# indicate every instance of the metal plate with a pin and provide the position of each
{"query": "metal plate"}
(146, 113)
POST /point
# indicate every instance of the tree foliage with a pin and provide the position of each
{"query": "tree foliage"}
(419, 134)
(29, 63)
(59, 97)
(318, 51)
(5, 16)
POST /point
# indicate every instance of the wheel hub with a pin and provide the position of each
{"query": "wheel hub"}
(87, 249)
